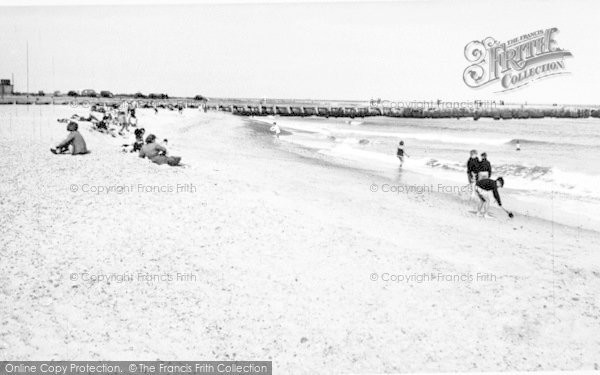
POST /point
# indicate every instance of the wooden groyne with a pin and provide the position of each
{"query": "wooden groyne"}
(247, 107)
(362, 112)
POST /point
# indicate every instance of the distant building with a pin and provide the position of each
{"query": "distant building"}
(89, 92)
(6, 88)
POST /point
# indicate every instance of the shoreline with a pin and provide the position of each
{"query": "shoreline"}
(418, 183)
(283, 252)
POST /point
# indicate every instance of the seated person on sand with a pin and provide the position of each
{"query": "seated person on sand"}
(139, 141)
(102, 125)
(157, 153)
(74, 139)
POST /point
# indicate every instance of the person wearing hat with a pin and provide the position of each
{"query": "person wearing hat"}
(157, 153)
(485, 168)
(74, 139)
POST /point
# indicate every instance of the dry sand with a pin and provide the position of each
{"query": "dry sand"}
(282, 250)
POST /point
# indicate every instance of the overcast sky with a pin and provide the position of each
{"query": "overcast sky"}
(393, 50)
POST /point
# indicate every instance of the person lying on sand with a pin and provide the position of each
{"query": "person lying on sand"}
(485, 189)
(90, 118)
(104, 125)
(157, 153)
(74, 139)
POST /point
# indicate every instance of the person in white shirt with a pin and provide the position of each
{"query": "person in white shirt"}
(275, 129)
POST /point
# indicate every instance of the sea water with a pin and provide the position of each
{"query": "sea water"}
(555, 175)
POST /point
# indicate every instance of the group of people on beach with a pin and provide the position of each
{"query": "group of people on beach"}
(111, 120)
(479, 173)
(125, 117)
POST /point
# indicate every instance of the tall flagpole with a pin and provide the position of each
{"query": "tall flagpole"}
(28, 70)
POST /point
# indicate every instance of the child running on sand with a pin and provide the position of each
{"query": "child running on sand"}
(74, 139)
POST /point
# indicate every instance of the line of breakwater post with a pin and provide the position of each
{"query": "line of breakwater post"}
(368, 111)
(324, 109)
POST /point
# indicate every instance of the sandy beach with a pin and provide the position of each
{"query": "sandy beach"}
(250, 251)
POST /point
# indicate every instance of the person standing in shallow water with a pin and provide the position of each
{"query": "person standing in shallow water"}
(472, 171)
(472, 167)
(485, 168)
(400, 153)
